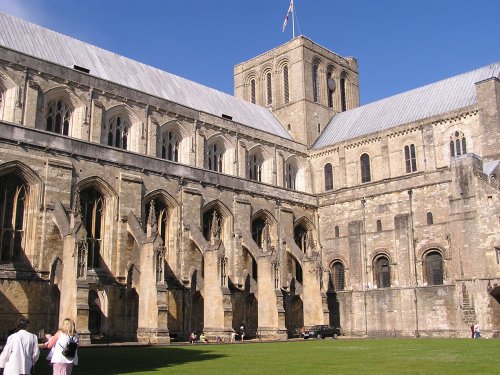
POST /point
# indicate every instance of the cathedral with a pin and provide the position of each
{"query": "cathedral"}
(146, 206)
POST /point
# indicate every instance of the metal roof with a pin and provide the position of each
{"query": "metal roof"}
(424, 102)
(39, 42)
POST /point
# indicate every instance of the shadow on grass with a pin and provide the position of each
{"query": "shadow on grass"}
(120, 360)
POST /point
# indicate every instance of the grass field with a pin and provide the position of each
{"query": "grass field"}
(342, 356)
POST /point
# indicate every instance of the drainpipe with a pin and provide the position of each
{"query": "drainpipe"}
(364, 280)
(412, 235)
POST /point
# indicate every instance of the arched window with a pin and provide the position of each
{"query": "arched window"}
(58, 117)
(170, 146)
(410, 158)
(252, 90)
(300, 237)
(458, 144)
(315, 82)
(290, 176)
(258, 226)
(430, 218)
(382, 272)
(93, 220)
(343, 91)
(338, 276)
(212, 225)
(161, 216)
(434, 268)
(365, 168)
(330, 82)
(328, 172)
(379, 225)
(215, 157)
(286, 92)
(255, 167)
(118, 133)
(269, 85)
(337, 231)
(13, 206)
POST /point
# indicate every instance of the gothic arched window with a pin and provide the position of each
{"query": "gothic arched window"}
(410, 158)
(255, 167)
(92, 203)
(258, 226)
(458, 144)
(161, 216)
(365, 168)
(434, 268)
(338, 275)
(328, 172)
(13, 206)
(118, 133)
(269, 86)
(290, 176)
(343, 93)
(215, 156)
(58, 117)
(382, 272)
(252, 90)
(170, 146)
(286, 92)
(315, 82)
(300, 237)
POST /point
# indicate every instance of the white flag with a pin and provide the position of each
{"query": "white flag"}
(290, 9)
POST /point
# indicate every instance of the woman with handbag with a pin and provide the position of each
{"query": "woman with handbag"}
(63, 349)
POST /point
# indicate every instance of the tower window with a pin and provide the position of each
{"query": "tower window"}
(331, 87)
(379, 226)
(285, 85)
(252, 90)
(337, 231)
(269, 89)
(343, 99)
(315, 70)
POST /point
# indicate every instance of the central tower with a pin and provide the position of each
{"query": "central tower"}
(302, 83)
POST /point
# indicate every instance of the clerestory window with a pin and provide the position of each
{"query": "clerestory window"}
(58, 117)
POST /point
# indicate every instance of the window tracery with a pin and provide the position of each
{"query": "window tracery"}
(118, 131)
(58, 117)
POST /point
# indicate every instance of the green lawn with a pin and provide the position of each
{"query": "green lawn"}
(342, 356)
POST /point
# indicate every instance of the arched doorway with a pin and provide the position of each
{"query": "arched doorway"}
(251, 315)
(495, 311)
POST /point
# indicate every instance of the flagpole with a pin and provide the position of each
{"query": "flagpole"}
(293, 19)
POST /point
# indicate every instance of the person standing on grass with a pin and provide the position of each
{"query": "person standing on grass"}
(477, 331)
(20, 352)
(242, 331)
(61, 364)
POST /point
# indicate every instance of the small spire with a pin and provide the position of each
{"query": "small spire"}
(151, 223)
(77, 207)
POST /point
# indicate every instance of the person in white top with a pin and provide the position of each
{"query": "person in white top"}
(20, 351)
(62, 365)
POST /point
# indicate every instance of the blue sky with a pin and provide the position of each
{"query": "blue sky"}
(399, 44)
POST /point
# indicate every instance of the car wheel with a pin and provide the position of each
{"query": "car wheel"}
(335, 335)
(318, 336)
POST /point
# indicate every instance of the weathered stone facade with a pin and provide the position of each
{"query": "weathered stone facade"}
(144, 219)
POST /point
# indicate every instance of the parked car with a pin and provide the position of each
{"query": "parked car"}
(322, 331)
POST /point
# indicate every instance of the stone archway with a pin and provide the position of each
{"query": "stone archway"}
(495, 311)
(294, 315)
